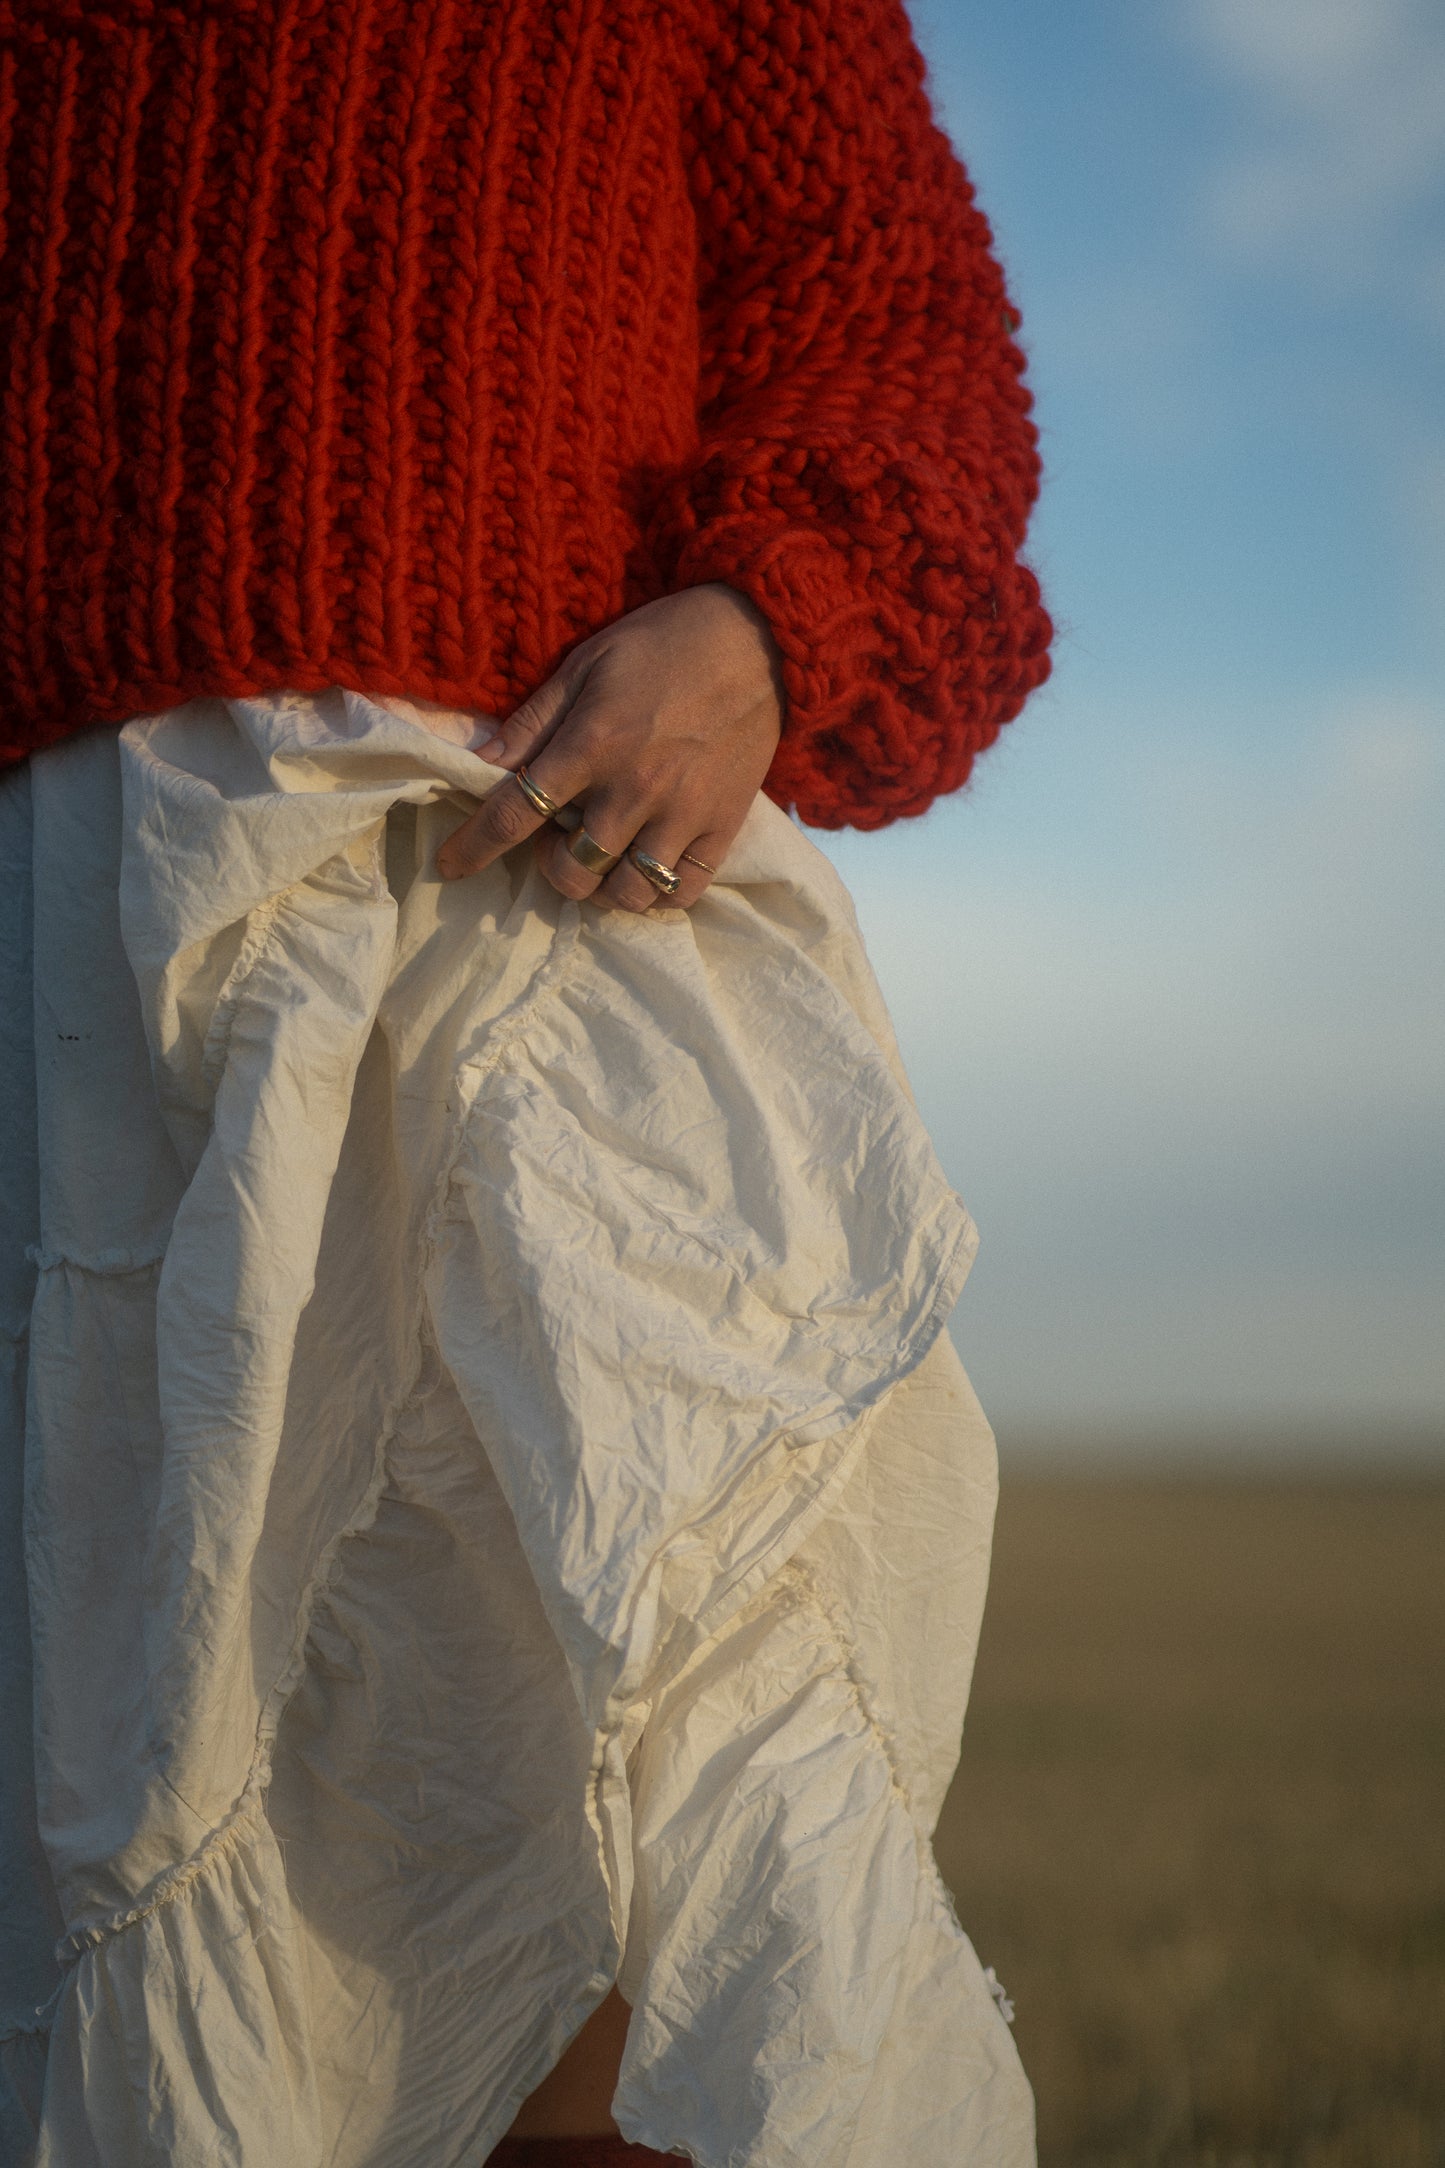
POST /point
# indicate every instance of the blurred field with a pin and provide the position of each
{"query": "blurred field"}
(1199, 1826)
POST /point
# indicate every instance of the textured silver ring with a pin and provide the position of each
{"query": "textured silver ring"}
(535, 795)
(652, 869)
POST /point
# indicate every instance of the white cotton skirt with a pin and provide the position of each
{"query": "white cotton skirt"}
(502, 1514)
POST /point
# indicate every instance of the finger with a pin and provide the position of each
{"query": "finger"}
(665, 839)
(613, 815)
(529, 726)
(506, 817)
(699, 870)
(558, 861)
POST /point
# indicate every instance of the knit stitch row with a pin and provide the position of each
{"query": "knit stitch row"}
(401, 344)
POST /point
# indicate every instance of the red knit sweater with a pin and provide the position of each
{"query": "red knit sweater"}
(401, 344)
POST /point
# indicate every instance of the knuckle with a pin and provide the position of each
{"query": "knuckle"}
(622, 888)
(650, 779)
(508, 816)
(457, 852)
(589, 737)
(569, 878)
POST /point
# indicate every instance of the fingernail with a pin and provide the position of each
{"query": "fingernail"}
(492, 748)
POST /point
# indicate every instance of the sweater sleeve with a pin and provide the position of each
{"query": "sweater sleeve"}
(866, 462)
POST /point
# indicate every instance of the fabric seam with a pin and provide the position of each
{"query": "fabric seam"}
(173, 1882)
(809, 1593)
(105, 1265)
(254, 944)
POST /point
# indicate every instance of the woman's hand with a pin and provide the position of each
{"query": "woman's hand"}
(661, 728)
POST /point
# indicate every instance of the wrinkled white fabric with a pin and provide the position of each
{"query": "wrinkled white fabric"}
(501, 1513)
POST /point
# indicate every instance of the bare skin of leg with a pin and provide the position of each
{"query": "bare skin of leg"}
(575, 2100)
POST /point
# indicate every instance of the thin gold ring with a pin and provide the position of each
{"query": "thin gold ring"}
(590, 854)
(698, 862)
(535, 795)
(663, 878)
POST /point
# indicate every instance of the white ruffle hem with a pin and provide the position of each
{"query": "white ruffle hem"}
(502, 1514)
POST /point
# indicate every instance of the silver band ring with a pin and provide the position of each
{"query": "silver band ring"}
(590, 855)
(652, 869)
(698, 862)
(535, 795)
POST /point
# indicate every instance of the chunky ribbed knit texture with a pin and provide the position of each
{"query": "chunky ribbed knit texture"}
(400, 344)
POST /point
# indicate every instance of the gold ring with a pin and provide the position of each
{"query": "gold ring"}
(590, 855)
(652, 869)
(535, 795)
(698, 862)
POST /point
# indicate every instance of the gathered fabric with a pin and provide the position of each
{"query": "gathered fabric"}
(572, 2153)
(502, 1513)
(403, 344)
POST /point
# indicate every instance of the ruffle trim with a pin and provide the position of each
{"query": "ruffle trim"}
(903, 1930)
(136, 1974)
(104, 1264)
(246, 1820)
(138, 1985)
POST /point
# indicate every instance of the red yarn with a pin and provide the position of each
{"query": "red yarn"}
(400, 344)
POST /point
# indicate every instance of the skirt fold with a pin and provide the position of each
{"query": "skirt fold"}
(501, 1513)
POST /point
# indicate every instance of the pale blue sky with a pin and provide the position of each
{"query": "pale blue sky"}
(1169, 975)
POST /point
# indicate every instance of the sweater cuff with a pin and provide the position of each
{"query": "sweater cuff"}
(815, 602)
(908, 631)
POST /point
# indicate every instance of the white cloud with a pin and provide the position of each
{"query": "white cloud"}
(1326, 178)
(1344, 147)
(1305, 46)
(1386, 750)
